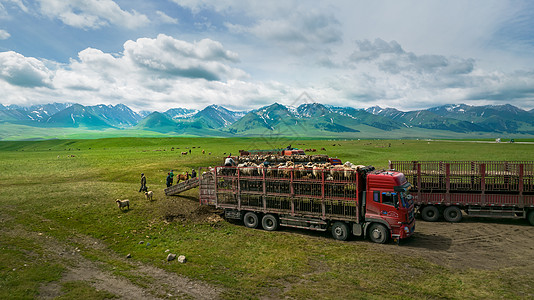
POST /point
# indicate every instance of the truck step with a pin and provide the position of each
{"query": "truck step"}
(296, 222)
(494, 212)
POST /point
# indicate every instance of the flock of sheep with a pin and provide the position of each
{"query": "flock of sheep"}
(310, 170)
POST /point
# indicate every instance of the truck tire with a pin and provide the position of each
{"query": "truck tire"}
(340, 231)
(430, 213)
(269, 222)
(530, 217)
(452, 214)
(378, 233)
(251, 220)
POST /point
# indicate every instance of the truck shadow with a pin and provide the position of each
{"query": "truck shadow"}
(427, 241)
(417, 241)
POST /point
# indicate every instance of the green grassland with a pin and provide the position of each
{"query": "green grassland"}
(48, 193)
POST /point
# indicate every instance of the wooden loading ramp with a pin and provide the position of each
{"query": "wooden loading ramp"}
(182, 187)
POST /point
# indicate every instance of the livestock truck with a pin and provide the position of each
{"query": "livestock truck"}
(364, 202)
(502, 189)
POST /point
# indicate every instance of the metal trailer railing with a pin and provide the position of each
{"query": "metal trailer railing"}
(306, 192)
(469, 176)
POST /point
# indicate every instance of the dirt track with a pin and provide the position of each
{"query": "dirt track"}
(473, 243)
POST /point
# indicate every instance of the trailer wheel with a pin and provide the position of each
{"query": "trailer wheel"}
(430, 213)
(340, 231)
(251, 220)
(269, 222)
(530, 217)
(452, 214)
(378, 233)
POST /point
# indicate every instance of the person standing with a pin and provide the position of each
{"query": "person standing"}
(143, 183)
(193, 173)
(169, 179)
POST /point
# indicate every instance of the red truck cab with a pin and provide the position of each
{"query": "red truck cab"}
(388, 203)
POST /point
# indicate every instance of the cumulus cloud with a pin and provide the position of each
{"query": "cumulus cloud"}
(391, 58)
(4, 35)
(205, 59)
(24, 71)
(159, 74)
(91, 14)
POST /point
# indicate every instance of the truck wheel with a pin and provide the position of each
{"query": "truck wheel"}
(378, 233)
(269, 222)
(430, 213)
(251, 220)
(340, 231)
(452, 214)
(531, 217)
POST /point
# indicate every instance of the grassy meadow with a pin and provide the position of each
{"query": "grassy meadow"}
(51, 200)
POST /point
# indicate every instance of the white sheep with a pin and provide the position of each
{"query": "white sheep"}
(123, 203)
(149, 195)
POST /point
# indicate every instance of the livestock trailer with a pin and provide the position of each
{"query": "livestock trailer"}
(503, 189)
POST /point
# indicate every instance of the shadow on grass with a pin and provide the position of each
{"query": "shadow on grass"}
(427, 241)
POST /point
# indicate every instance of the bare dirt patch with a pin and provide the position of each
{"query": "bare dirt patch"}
(473, 243)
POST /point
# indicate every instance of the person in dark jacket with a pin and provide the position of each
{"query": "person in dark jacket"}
(169, 179)
(193, 173)
(143, 183)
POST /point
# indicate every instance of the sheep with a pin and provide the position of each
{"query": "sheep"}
(336, 170)
(123, 203)
(149, 195)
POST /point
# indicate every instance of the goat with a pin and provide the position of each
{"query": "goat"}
(123, 203)
(149, 195)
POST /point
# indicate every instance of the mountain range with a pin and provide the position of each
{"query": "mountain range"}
(306, 120)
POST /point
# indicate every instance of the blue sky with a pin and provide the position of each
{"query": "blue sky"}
(156, 55)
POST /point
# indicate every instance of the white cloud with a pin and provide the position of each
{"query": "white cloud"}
(164, 18)
(299, 32)
(24, 71)
(4, 35)
(91, 14)
(17, 3)
(175, 58)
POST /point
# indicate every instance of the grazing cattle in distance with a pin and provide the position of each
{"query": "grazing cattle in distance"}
(184, 153)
